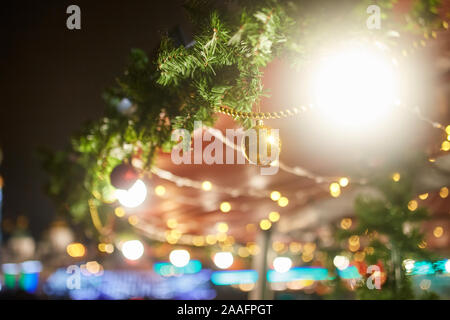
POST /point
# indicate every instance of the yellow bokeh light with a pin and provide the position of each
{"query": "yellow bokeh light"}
(344, 181)
(222, 227)
(198, 241)
(443, 192)
(211, 239)
(438, 232)
(353, 240)
(278, 246)
(396, 177)
(243, 252)
(133, 220)
(206, 185)
(346, 223)
(225, 207)
(275, 195)
(160, 190)
(172, 223)
(445, 145)
(422, 245)
(369, 250)
(295, 247)
(447, 129)
(423, 196)
(274, 216)
(76, 250)
(221, 237)
(283, 202)
(253, 248)
(119, 212)
(101, 247)
(265, 224)
(335, 189)
(412, 205)
(309, 248)
(307, 257)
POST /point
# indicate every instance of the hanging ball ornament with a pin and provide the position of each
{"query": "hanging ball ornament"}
(124, 176)
(261, 144)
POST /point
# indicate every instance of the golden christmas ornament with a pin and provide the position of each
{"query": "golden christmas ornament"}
(261, 145)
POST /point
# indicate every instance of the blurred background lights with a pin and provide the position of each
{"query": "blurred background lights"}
(132, 249)
(223, 260)
(282, 264)
(119, 212)
(172, 223)
(396, 177)
(76, 250)
(443, 193)
(341, 262)
(265, 224)
(225, 207)
(179, 258)
(412, 205)
(206, 185)
(343, 182)
(438, 232)
(356, 86)
(447, 266)
(160, 190)
(274, 216)
(222, 227)
(335, 189)
(275, 195)
(283, 202)
(134, 196)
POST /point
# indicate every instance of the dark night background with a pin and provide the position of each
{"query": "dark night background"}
(52, 78)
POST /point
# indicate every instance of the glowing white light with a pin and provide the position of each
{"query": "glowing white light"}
(341, 262)
(179, 258)
(282, 264)
(223, 260)
(134, 196)
(355, 86)
(447, 266)
(409, 265)
(132, 249)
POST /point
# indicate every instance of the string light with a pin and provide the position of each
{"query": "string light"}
(423, 196)
(133, 220)
(119, 212)
(206, 185)
(283, 202)
(412, 205)
(344, 182)
(443, 193)
(274, 216)
(265, 224)
(335, 189)
(160, 191)
(396, 177)
(76, 250)
(222, 227)
(438, 232)
(172, 223)
(346, 223)
(275, 195)
(225, 207)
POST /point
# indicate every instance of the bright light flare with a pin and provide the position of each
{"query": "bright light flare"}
(179, 258)
(134, 196)
(223, 260)
(355, 86)
(132, 249)
(282, 264)
(341, 262)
